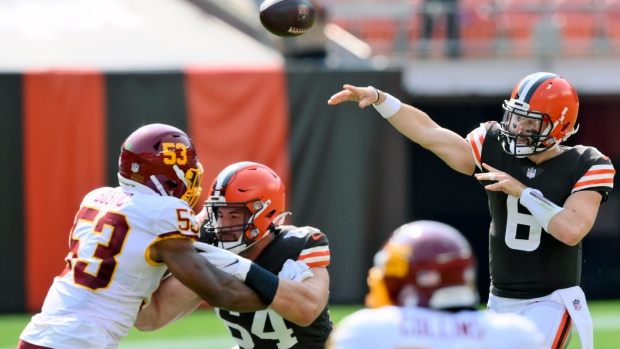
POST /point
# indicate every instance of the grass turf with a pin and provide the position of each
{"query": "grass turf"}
(203, 329)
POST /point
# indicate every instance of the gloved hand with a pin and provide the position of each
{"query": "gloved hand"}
(224, 260)
(295, 270)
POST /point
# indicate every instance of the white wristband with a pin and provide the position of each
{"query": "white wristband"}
(540, 207)
(389, 107)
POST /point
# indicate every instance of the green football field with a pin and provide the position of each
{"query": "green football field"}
(202, 329)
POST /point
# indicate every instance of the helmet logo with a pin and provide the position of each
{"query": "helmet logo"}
(128, 146)
(428, 278)
(135, 167)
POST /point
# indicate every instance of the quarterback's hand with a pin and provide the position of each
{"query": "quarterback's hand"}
(224, 260)
(365, 96)
(503, 181)
(295, 270)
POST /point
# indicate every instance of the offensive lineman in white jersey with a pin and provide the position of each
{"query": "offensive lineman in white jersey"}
(122, 242)
(422, 294)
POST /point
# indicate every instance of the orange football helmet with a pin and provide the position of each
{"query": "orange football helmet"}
(541, 113)
(426, 264)
(250, 185)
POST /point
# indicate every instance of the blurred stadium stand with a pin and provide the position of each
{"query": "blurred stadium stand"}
(500, 41)
(488, 28)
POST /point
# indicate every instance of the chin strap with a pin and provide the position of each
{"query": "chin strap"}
(571, 133)
(280, 218)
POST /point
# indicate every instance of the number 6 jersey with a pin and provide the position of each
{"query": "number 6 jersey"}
(109, 273)
(526, 261)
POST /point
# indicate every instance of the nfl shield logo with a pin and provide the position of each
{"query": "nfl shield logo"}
(576, 304)
(531, 172)
(135, 167)
(303, 13)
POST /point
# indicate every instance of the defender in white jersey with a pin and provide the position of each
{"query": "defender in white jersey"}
(543, 196)
(422, 294)
(122, 242)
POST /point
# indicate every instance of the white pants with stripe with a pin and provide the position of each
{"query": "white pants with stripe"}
(549, 314)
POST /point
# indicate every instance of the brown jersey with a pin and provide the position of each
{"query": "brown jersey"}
(525, 261)
(266, 329)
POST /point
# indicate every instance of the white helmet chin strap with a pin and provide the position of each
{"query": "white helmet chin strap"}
(280, 218)
(235, 247)
(570, 133)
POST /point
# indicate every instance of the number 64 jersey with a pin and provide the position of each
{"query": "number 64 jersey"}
(525, 261)
(266, 329)
(109, 273)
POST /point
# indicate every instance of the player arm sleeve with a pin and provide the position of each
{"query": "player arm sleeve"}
(540, 207)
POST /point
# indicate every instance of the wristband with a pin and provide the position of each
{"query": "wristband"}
(540, 207)
(377, 92)
(264, 283)
(389, 107)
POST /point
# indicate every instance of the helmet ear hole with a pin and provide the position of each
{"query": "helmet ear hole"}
(171, 184)
(270, 213)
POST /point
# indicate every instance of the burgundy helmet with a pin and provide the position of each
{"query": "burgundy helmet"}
(424, 263)
(163, 158)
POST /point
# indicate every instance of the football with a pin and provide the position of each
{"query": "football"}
(287, 18)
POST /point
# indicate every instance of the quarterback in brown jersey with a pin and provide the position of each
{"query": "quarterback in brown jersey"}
(543, 196)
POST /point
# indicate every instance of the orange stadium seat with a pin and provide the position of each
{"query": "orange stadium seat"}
(517, 29)
(578, 30)
(574, 3)
(612, 27)
(379, 33)
(414, 26)
(477, 31)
